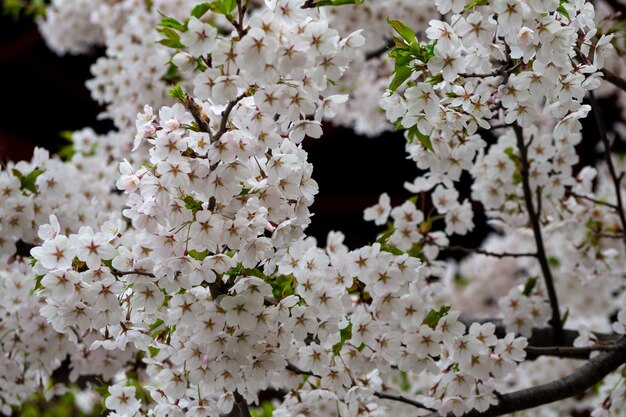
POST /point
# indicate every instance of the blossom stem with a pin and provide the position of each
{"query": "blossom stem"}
(533, 216)
(619, 207)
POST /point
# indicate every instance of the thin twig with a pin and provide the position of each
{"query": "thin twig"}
(533, 216)
(402, 399)
(487, 253)
(293, 368)
(224, 122)
(609, 161)
(593, 200)
(122, 273)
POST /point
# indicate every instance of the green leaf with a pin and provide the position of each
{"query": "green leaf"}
(322, 3)
(433, 317)
(192, 204)
(198, 255)
(68, 135)
(510, 152)
(561, 10)
(266, 409)
(224, 7)
(554, 261)
(474, 4)
(171, 43)
(414, 133)
(38, 285)
(383, 237)
(67, 152)
(345, 334)
(169, 33)
(27, 182)
(530, 285)
(403, 30)
(153, 351)
(401, 74)
(282, 286)
(170, 22)
(200, 9)
(391, 249)
(178, 93)
(172, 75)
(565, 316)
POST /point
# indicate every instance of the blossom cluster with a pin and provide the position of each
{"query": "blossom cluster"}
(170, 258)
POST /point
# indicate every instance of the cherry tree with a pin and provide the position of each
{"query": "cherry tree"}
(164, 269)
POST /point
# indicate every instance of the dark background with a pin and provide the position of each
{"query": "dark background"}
(44, 94)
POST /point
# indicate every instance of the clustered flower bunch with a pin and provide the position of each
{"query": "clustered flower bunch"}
(168, 261)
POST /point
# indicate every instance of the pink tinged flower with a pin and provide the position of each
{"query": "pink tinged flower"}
(122, 400)
(379, 213)
(200, 37)
(525, 36)
(57, 253)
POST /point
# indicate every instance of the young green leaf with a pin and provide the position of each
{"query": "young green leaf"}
(403, 30)
(401, 74)
(170, 22)
(200, 9)
(178, 93)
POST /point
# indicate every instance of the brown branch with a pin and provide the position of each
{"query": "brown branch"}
(572, 352)
(533, 216)
(619, 207)
(614, 79)
(487, 253)
(545, 337)
(593, 200)
(402, 399)
(240, 407)
(223, 123)
(201, 119)
(579, 381)
(122, 273)
(385, 396)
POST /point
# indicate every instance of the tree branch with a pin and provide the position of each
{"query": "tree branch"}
(614, 79)
(619, 207)
(223, 123)
(487, 253)
(572, 385)
(571, 352)
(593, 200)
(240, 407)
(533, 216)
(402, 399)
